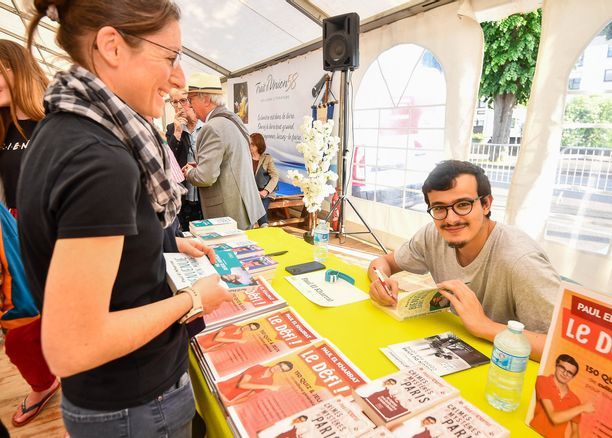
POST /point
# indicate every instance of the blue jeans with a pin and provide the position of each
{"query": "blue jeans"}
(264, 219)
(168, 415)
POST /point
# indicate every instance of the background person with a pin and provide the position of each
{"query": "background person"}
(97, 198)
(22, 84)
(266, 175)
(182, 135)
(223, 172)
(509, 275)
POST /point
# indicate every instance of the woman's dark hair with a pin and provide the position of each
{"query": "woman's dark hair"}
(79, 20)
(444, 174)
(26, 88)
(259, 142)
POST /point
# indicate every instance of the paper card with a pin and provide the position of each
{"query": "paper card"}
(314, 287)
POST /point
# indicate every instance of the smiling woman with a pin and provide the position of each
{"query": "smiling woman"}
(98, 197)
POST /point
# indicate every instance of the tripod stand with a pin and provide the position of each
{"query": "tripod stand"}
(347, 163)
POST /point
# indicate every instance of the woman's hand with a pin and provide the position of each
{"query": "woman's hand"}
(263, 193)
(195, 248)
(212, 293)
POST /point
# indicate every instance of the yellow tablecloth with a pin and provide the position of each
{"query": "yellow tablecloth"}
(359, 330)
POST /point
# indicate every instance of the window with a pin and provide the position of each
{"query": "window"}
(580, 214)
(580, 61)
(398, 118)
(574, 84)
(610, 51)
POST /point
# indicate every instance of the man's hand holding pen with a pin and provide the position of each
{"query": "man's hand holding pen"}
(383, 289)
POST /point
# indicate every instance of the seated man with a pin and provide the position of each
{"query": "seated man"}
(509, 276)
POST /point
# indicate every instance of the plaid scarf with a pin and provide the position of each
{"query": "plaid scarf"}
(78, 91)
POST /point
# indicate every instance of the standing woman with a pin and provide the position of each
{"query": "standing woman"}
(94, 196)
(266, 175)
(22, 84)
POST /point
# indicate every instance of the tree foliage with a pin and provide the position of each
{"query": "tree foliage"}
(588, 122)
(511, 49)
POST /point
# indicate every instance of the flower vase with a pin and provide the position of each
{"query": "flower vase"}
(311, 224)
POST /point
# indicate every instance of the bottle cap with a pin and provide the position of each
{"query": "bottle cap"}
(516, 326)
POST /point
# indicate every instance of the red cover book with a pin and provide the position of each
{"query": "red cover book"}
(264, 394)
(234, 347)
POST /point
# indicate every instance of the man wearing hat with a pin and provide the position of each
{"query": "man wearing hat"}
(223, 173)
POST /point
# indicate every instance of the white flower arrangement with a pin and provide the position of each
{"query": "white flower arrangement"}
(319, 148)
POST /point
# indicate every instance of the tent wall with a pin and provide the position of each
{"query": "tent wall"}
(568, 26)
(456, 40)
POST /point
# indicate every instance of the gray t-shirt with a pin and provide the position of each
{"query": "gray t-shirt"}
(511, 276)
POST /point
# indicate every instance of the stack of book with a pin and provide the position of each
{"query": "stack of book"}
(205, 226)
(239, 345)
(217, 230)
(242, 248)
(265, 394)
(244, 305)
(263, 266)
(414, 401)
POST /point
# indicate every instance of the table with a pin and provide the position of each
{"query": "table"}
(359, 330)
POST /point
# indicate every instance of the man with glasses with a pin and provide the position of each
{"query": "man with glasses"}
(556, 405)
(224, 170)
(181, 136)
(509, 276)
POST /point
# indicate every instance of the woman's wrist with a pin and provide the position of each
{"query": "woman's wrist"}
(195, 301)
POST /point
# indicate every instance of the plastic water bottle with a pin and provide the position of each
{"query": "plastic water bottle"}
(509, 359)
(321, 241)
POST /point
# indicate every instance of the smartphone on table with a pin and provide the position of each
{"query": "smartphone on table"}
(303, 268)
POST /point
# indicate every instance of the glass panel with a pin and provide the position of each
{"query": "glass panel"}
(410, 120)
(580, 214)
(366, 118)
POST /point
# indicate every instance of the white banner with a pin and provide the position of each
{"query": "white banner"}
(274, 102)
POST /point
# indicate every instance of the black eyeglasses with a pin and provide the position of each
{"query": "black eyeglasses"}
(175, 61)
(462, 207)
(182, 102)
(565, 370)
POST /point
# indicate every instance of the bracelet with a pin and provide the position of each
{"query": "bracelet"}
(196, 304)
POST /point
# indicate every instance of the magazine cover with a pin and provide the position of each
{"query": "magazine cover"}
(183, 270)
(573, 391)
(398, 396)
(204, 226)
(264, 394)
(334, 418)
(441, 354)
(242, 248)
(245, 304)
(450, 419)
(232, 272)
(259, 263)
(235, 347)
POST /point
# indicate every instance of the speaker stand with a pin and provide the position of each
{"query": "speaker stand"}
(343, 199)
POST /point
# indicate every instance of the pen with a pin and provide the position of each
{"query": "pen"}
(278, 253)
(382, 281)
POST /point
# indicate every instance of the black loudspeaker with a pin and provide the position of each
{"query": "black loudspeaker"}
(341, 42)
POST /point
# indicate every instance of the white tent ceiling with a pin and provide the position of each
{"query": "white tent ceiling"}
(233, 37)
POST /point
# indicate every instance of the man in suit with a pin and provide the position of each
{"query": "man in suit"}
(181, 136)
(224, 171)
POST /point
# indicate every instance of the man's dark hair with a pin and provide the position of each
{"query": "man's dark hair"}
(567, 359)
(443, 176)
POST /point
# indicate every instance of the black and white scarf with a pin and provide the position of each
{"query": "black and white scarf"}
(78, 91)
